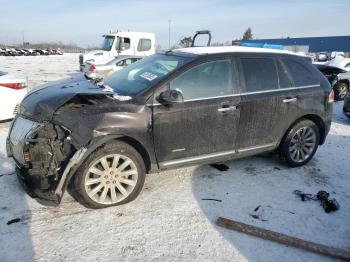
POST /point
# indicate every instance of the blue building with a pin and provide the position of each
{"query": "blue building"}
(316, 44)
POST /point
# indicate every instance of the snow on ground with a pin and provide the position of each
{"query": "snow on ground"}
(169, 220)
(41, 69)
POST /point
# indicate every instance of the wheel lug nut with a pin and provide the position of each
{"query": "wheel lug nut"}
(107, 182)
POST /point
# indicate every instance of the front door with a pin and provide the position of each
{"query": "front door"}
(206, 124)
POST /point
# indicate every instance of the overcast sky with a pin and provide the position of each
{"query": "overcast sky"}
(84, 21)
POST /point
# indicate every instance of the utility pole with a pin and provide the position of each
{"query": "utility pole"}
(23, 37)
(169, 21)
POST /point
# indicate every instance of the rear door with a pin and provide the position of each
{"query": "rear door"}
(206, 124)
(275, 93)
(301, 93)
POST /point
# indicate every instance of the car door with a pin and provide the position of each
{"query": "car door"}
(300, 91)
(205, 125)
(260, 98)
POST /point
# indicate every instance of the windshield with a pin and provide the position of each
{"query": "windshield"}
(107, 43)
(144, 73)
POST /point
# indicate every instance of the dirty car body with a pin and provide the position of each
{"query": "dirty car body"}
(60, 125)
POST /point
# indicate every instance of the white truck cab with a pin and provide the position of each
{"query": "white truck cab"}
(121, 43)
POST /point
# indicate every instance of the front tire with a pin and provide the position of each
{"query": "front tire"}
(340, 90)
(112, 175)
(300, 143)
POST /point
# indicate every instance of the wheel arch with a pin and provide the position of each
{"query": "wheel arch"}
(140, 148)
(99, 142)
(314, 118)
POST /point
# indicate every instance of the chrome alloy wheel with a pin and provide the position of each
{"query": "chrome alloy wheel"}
(302, 144)
(342, 90)
(111, 179)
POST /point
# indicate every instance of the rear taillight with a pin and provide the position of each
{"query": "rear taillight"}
(92, 68)
(16, 86)
(331, 97)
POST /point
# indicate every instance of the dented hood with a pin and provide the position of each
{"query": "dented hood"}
(42, 103)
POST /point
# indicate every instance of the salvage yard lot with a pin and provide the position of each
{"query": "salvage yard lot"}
(170, 220)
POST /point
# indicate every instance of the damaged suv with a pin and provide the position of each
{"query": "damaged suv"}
(184, 107)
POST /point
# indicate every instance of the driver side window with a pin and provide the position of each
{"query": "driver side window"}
(206, 80)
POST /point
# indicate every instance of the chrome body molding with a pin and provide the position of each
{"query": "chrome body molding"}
(233, 153)
(178, 150)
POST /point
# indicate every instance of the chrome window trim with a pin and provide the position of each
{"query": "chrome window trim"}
(248, 93)
(213, 155)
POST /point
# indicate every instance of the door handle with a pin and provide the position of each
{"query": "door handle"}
(289, 100)
(227, 109)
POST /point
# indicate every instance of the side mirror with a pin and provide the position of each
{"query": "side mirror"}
(169, 97)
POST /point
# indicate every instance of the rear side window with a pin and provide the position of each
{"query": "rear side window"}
(300, 74)
(284, 77)
(206, 80)
(144, 45)
(260, 74)
(126, 62)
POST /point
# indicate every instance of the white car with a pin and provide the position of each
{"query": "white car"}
(13, 88)
(323, 56)
(102, 70)
(335, 54)
(340, 62)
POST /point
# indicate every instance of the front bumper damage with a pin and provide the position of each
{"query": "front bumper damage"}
(44, 154)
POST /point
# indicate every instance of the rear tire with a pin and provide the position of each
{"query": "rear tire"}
(112, 175)
(300, 143)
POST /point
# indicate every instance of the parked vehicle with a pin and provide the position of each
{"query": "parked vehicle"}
(32, 52)
(322, 57)
(338, 78)
(346, 107)
(311, 56)
(2, 52)
(183, 107)
(58, 52)
(12, 90)
(337, 54)
(121, 43)
(42, 52)
(100, 71)
(340, 62)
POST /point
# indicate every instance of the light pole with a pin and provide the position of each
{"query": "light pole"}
(23, 38)
(169, 21)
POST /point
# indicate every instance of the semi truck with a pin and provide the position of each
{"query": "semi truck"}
(120, 43)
